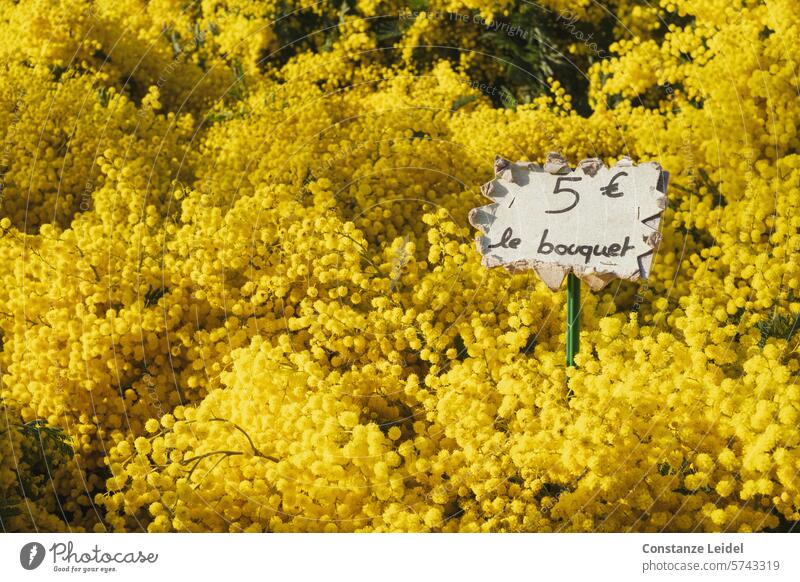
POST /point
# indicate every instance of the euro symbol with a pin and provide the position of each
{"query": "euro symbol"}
(612, 189)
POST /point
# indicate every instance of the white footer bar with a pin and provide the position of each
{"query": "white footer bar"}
(401, 557)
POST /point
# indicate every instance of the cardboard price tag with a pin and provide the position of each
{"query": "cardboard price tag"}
(600, 223)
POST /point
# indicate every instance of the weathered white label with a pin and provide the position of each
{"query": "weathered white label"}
(599, 222)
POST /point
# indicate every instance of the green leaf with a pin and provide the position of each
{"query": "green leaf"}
(777, 326)
(462, 100)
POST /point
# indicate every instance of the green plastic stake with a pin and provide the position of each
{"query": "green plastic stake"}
(573, 317)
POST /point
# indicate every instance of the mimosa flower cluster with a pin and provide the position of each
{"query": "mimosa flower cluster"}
(239, 291)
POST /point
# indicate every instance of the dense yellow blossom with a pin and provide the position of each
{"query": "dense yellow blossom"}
(238, 290)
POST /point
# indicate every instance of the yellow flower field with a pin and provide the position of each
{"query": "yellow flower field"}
(239, 291)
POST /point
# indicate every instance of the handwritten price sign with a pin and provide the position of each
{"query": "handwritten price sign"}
(600, 223)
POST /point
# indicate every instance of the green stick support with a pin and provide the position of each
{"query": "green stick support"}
(573, 317)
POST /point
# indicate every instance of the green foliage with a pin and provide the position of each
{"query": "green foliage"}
(43, 449)
(462, 100)
(9, 507)
(516, 53)
(778, 326)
